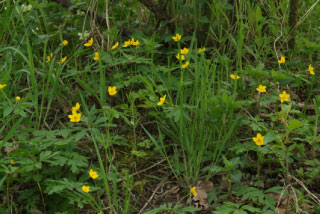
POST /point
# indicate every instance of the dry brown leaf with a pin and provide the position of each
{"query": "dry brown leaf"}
(11, 149)
(203, 189)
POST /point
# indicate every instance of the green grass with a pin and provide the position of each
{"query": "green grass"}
(148, 152)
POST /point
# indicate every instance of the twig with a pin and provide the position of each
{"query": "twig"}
(151, 197)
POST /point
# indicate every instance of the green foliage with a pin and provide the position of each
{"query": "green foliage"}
(203, 129)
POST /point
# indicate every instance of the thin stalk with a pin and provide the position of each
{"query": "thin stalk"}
(104, 175)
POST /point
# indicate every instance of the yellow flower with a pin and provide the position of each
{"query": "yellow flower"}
(284, 96)
(74, 117)
(112, 90)
(76, 107)
(65, 42)
(233, 76)
(96, 56)
(18, 98)
(258, 139)
(311, 69)
(115, 46)
(85, 188)
(62, 60)
(127, 43)
(2, 86)
(177, 37)
(162, 99)
(89, 43)
(200, 50)
(100, 212)
(178, 56)
(93, 174)
(184, 51)
(193, 191)
(135, 43)
(12, 162)
(49, 57)
(185, 65)
(261, 88)
(282, 60)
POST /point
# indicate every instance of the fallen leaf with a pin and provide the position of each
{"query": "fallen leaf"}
(203, 189)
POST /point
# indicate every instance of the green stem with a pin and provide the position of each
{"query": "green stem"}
(104, 176)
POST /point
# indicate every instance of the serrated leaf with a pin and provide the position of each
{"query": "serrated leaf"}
(294, 124)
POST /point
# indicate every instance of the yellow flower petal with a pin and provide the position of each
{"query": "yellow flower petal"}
(65, 42)
(18, 98)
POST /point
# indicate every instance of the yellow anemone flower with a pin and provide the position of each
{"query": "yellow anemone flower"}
(162, 99)
(85, 188)
(233, 76)
(18, 98)
(76, 107)
(96, 56)
(185, 65)
(65, 42)
(177, 37)
(282, 60)
(127, 43)
(89, 43)
(200, 50)
(284, 96)
(311, 69)
(193, 191)
(135, 43)
(115, 46)
(178, 56)
(259, 139)
(49, 57)
(2, 86)
(93, 174)
(62, 60)
(74, 117)
(261, 88)
(184, 51)
(112, 90)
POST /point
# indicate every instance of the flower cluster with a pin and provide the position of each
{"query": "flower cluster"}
(131, 42)
(75, 117)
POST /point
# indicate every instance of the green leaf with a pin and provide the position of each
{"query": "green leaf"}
(270, 136)
(294, 124)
